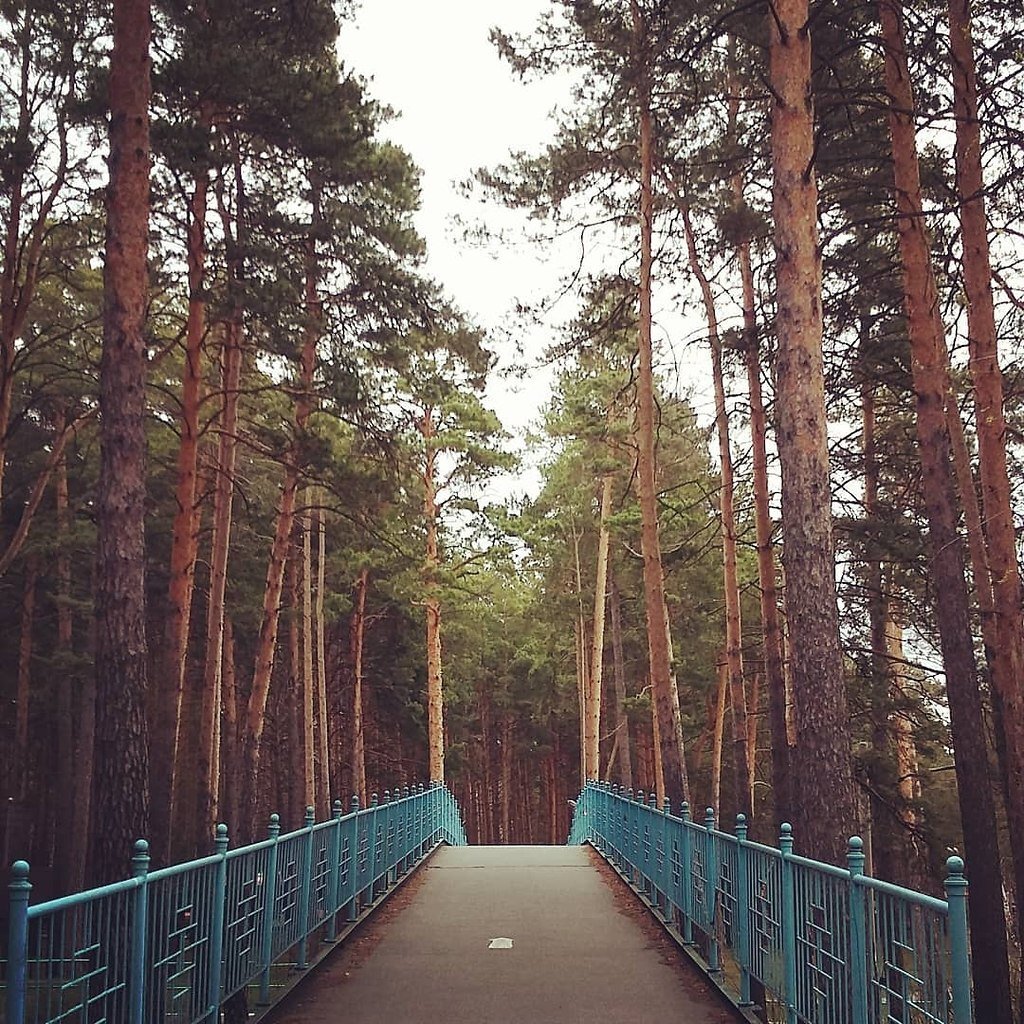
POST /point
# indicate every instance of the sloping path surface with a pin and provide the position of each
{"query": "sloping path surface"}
(575, 955)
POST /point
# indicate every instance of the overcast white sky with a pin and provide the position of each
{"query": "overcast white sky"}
(459, 108)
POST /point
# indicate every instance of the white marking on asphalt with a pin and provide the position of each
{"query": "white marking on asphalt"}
(500, 944)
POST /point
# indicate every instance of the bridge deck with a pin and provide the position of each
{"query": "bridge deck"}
(574, 956)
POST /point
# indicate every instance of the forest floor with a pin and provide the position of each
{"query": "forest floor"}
(582, 950)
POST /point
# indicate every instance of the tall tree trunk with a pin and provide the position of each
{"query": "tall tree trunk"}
(717, 736)
(194, 799)
(435, 691)
(771, 629)
(194, 803)
(884, 850)
(827, 812)
(753, 718)
(908, 777)
(266, 647)
(120, 806)
(357, 632)
(309, 688)
(487, 757)
(230, 776)
(324, 733)
(1008, 657)
(663, 681)
(582, 668)
(731, 585)
(68, 723)
(303, 616)
(931, 377)
(593, 709)
(184, 532)
(659, 765)
(619, 676)
(292, 703)
(506, 779)
(24, 691)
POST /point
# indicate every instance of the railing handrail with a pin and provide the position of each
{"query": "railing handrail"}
(786, 919)
(204, 928)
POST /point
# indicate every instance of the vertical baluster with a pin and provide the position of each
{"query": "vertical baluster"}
(855, 861)
(711, 891)
(665, 883)
(371, 853)
(269, 909)
(742, 911)
(334, 856)
(307, 883)
(956, 895)
(353, 861)
(653, 824)
(403, 846)
(140, 906)
(788, 920)
(17, 949)
(219, 895)
(391, 837)
(686, 856)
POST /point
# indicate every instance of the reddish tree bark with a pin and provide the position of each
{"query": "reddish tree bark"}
(931, 382)
(432, 603)
(827, 811)
(1007, 658)
(592, 730)
(742, 759)
(167, 700)
(120, 805)
(357, 633)
(663, 680)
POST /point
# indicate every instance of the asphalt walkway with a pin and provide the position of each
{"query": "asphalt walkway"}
(509, 934)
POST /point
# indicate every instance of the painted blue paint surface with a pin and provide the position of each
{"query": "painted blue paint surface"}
(175, 943)
(830, 945)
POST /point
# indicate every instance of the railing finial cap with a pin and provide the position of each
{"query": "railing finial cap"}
(856, 844)
(955, 865)
(786, 829)
(140, 847)
(19, 871)
(741, 818)
(222, 831)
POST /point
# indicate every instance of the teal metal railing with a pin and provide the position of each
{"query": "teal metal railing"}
(175, 943)
(830, 945)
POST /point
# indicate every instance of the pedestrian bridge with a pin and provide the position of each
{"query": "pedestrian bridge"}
(716, 928)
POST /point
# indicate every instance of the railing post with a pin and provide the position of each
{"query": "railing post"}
(653, 828)
(332, 884)
(389, 824)
(711, 891)
(270, 899)
(307, 883)
(686, 858)
(371, 853)
(742, 922)
(666, 859)
(353, 861)
(956, 895)
(17, 948)
(140, 910)
(788, 920)
(220, 891)
(855, 861)
(403, 831)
